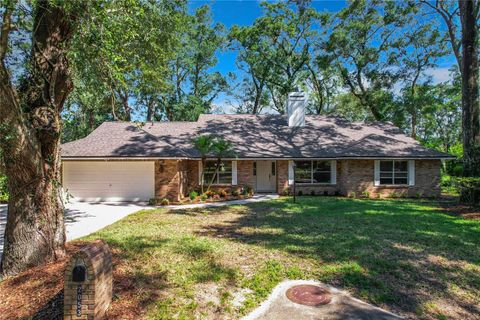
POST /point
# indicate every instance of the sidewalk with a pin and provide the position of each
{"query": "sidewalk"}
(255, 198)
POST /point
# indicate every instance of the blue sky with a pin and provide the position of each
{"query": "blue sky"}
(244, 12)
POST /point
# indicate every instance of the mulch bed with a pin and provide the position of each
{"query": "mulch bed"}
(187, 201)
(462, 210)
(36, 292)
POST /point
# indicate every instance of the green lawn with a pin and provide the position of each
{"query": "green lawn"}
(405, 256)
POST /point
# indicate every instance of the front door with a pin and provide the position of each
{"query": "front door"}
(266, 176)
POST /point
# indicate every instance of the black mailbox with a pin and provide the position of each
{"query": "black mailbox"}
(79, 274)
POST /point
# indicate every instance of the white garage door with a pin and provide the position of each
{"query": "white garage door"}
(109, 180)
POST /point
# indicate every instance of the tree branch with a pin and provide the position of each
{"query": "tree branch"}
(5, 32)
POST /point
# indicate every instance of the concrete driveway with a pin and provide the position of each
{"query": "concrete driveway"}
(81, 219)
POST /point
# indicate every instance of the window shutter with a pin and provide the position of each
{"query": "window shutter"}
(377, 172)
(411, 172)
(333, 172)
(234, 173)
(200, 182)
(290, 172)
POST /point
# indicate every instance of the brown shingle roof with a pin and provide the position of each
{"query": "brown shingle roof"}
(253, 136)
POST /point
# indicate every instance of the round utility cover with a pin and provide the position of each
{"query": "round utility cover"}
(309, 295)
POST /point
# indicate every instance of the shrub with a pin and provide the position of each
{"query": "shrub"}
(352, 195)
(203, 197)
(286, 191)
(469, 189)
(235, 193)
(209, 193)
(300, 193)
(366, 194)
(152, 202)
(222, 193)
(247, 190)
(312, 193)
(193, 195)
(394, 195)
(216, 197)
(325, 193)
(418, 195)
(448, 184)
(3, 189)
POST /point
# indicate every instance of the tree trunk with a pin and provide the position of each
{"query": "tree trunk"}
(91, 120)
(414, 125)
(30, 140)
(256, 102)
(470, 95)
(150, 109)
(126, 106)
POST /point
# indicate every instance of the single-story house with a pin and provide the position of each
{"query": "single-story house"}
(322, 154)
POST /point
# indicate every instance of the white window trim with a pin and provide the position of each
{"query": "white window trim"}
(377, 172)
(333, 172)
(410, 174)
(234, 173)
(290, 172)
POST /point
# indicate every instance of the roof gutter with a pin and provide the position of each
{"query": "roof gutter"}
(251, 158)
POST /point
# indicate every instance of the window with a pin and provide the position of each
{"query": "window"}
(321, 172)
(393, 172)
(224, 172)
(303, 172)
(313, 171)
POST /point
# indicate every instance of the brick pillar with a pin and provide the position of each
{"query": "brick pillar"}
(88, 283)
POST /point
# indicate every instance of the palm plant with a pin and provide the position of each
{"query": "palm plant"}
(204, 145)
(221, 149)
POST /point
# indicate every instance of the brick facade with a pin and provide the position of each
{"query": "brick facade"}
(353, 176)
(171, 179)
(282, 176)
(89, 299)
(358, 176)
(245, 173)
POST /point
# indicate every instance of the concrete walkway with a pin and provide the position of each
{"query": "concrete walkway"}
(3, 222)
(83, 218)
(342, 306)
(255, 198)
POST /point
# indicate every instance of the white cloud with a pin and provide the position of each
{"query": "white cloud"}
(224, 107)
(439, 74)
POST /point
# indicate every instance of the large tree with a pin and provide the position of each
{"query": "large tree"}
(131, 44)
(105, 48)
(275, 50)
(469, 16)
(423, 46)
(462, 24)
(30, 129)
(365, 45)
(191, 84)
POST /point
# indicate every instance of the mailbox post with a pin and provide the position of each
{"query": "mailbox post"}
(88, 283)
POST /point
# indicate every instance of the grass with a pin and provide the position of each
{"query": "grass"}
(403, 255)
